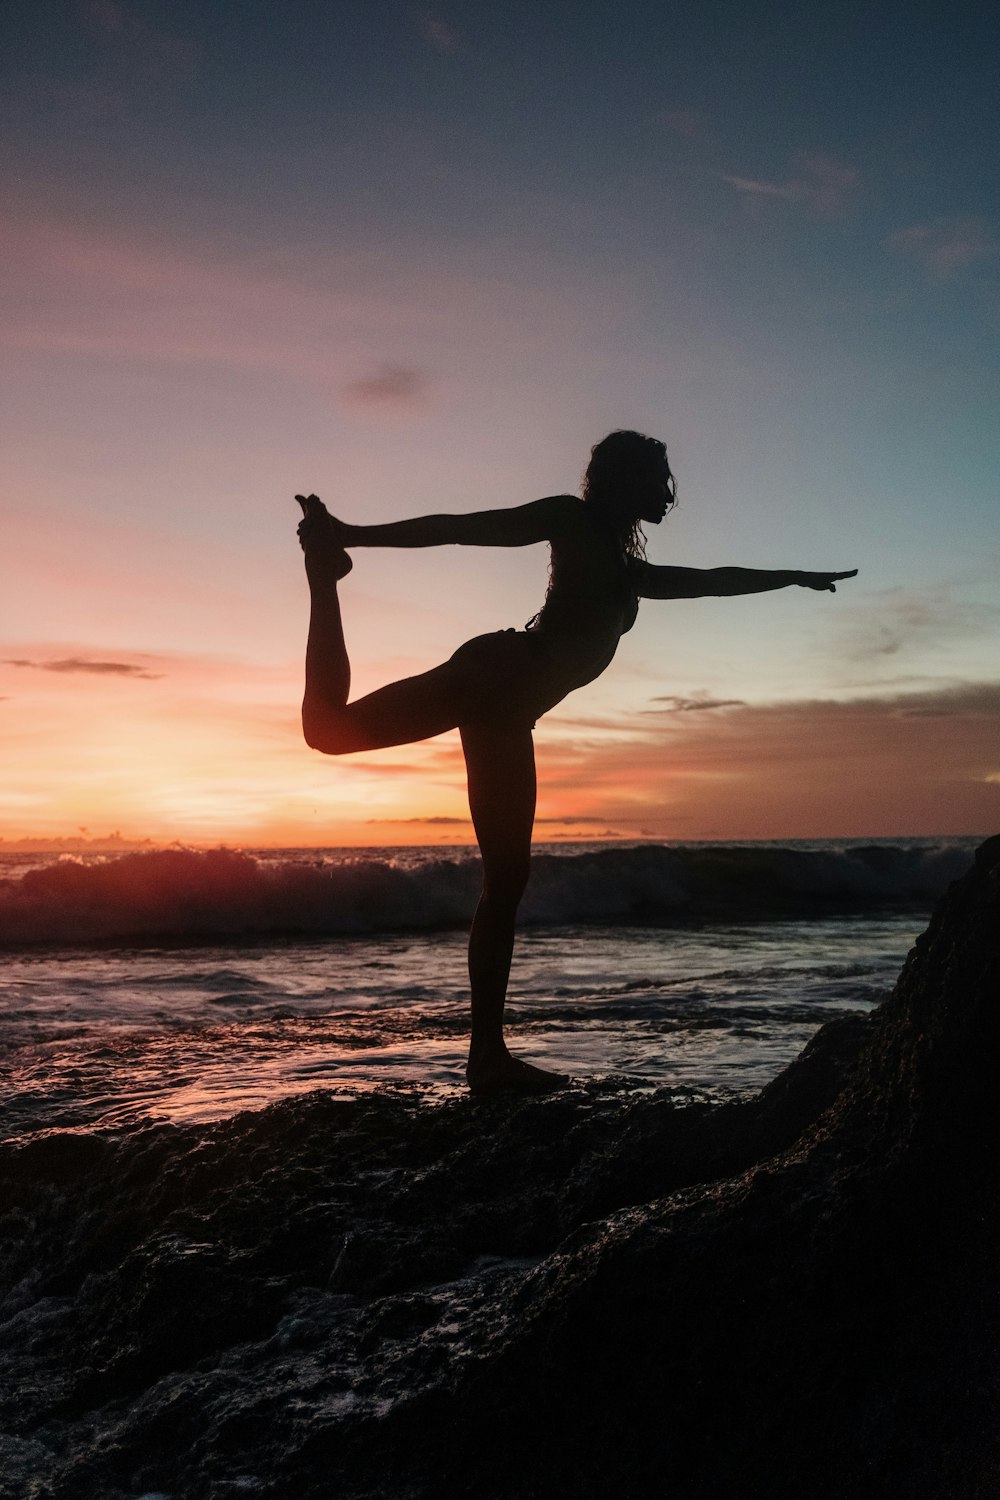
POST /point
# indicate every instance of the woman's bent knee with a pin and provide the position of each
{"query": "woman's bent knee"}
(327, 733)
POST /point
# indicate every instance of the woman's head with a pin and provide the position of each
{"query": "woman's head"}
(628, 479)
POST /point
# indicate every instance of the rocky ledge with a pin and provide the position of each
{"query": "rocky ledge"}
(599, 1293)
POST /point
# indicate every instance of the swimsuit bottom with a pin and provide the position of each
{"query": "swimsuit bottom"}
(509, 678)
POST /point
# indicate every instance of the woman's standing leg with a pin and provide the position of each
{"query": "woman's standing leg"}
(501, 769)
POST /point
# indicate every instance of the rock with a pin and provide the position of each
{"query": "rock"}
(590, 1294)
(824, 1324)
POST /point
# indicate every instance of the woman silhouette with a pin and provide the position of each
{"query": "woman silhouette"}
(496, 686)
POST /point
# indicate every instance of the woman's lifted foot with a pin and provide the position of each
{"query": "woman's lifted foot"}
(319, 535)
(502, 1073)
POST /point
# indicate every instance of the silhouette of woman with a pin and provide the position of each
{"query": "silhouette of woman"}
(496, 686)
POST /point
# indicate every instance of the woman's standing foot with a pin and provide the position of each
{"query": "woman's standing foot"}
(501, 1072)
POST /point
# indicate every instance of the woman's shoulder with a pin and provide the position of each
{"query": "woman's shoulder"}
(564, 512)
(566, 503)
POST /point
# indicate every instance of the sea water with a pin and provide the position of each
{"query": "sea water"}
(188, 985)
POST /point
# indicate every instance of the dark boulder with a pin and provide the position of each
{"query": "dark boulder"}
(826, 1323)
(600, 1293)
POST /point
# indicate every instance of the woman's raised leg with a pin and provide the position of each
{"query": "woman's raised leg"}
(413, 709)
(328, 668)
(501, 768)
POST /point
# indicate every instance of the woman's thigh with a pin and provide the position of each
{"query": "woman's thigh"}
(500, 763)
(415, 708)
(492, 680)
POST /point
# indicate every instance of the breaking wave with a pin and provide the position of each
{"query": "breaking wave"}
(178, 894)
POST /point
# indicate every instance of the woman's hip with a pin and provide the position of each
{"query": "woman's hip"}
(506, 676)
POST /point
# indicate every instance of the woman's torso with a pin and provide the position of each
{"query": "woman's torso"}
(591, 602)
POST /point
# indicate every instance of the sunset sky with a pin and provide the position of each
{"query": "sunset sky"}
(422, 259)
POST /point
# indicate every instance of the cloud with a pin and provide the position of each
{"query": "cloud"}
(944, 246)
(821, 184)
(895, 621)
(437, 33)
(433, 821)
(893, 764)
(83, 664)
(571, 820)
(678, 705)
(391, 387)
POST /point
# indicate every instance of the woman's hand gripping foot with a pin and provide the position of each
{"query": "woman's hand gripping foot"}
(320, 536)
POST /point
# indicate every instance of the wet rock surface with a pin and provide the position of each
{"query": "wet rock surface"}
(599, 1292)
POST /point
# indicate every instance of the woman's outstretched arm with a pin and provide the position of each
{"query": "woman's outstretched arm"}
(655, 582)
(538, 521)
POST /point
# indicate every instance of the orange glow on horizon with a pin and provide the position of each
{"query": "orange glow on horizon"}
(203, 752)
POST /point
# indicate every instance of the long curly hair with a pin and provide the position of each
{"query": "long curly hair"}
(617, 463)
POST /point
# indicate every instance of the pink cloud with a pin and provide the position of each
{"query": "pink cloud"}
(85, 665)
(392, 387)
(913, 763)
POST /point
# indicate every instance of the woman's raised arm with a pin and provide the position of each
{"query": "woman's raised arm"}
(655, 582)
(538, 521)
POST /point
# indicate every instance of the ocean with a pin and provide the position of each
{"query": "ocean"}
(184, 986)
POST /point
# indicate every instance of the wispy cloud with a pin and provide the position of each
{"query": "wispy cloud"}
(432, 821)
(894, 622)
(676, 705)
(944, 246)
(390, 387)
(437, 33)
(819, 183)
(85, 665)
(570, 821)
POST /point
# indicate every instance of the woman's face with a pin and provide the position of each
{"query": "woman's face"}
(651, 493)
